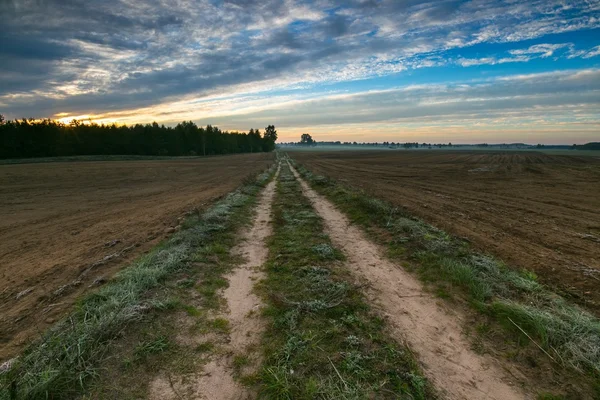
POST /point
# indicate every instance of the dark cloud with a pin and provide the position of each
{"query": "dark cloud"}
(134, 53)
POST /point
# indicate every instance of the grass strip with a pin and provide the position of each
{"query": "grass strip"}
(322, 340)
(569, 334)
(64, 361)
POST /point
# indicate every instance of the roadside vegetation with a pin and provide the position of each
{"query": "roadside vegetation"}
(119, 329)
(513, 301)
(322, 339)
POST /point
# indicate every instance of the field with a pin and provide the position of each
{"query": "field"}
(66, 226)
(532, 210)
(253, 276)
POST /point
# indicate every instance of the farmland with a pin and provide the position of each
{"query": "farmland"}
(290, 284)
(66, 226)
(532, 210)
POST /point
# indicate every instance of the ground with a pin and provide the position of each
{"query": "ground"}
(299, 286)
(533, 210)
(65, 225)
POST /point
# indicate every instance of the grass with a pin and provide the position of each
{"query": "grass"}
(322, 339)
(67, 358)
(567, 334)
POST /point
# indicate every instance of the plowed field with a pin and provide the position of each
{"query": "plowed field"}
(69, 226)
(532, 210)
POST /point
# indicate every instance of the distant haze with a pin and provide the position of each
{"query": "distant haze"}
(366, 70)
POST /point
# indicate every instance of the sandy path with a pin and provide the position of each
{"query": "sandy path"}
(216, 381)
(415, 317)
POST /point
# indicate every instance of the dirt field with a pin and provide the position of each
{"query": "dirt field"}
(533, 210)
(68, 226)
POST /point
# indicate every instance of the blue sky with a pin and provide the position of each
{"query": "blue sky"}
(365, 70)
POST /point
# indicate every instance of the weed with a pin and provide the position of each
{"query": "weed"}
(220, 325)
(240, 361)
(155, 346)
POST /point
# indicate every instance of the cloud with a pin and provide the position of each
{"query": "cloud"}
(556, 94)
(92, 56)
(593, 52)
(540, 50)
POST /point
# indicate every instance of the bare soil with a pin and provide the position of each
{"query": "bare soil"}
(431, 330)
(66, 227)
(217, 380)
(530, 209)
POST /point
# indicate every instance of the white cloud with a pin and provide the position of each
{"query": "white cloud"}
(541, 50)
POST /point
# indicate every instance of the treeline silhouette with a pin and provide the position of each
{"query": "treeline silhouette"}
(587, 146)
(29, 138)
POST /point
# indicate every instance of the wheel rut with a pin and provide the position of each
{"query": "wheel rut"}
(434, 333)
(216, 380)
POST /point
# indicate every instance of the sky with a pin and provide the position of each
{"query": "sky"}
(361, 70)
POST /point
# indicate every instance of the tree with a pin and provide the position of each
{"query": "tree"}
(1, 119)
(270, 137)
(306, 139)
(254, 140)
(270, 134)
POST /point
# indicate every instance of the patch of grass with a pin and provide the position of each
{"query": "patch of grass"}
(67, 357)
(322, 340)
(192, 311)
(523, 306)
(154, 346)
(550, 396)
(220, 324)
(205, 347)
(240, 361)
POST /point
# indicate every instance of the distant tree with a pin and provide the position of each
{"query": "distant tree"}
(1, 119)
(254, 140)
(48, 138)
(306, 139)
(270, 137)
(270, 133)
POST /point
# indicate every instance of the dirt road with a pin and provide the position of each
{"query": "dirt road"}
(216, 380)
(433, 332)
(532, 210)
(65, 226)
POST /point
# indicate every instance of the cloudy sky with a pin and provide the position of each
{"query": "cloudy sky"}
(364, 70)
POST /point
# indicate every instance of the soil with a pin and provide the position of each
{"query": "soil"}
(432, 331)
(217, 379)
(532, 210)
(67, 227)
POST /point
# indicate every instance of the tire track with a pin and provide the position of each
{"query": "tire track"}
(216, 381)
(415, 317)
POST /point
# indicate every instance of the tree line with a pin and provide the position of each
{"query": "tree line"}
(28, 138)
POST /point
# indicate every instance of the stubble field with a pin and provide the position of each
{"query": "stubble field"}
(532, 210)
(69, 226)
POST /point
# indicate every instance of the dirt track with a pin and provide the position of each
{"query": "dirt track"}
(59, 219)
(532, 210)
(434, 332)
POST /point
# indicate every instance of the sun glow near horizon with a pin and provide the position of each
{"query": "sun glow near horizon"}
(383, 71)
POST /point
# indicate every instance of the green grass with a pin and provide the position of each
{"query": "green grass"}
(154, 346)
(67, 358)
(524, 307)
(322, 339)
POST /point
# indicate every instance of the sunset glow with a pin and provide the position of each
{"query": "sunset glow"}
(461, 71)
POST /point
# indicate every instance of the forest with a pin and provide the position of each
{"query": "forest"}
(29, 138)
